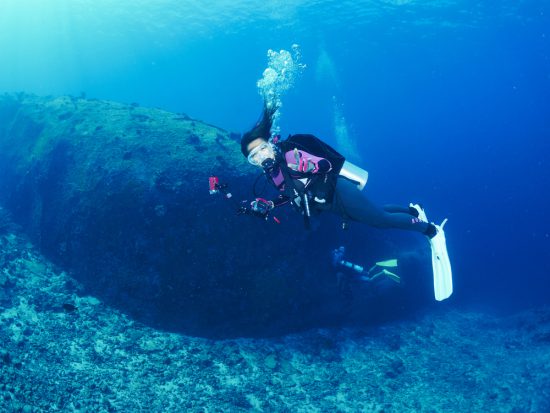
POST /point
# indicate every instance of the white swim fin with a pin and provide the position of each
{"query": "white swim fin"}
(443, 275)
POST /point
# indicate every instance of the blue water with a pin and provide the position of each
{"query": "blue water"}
(447, 101)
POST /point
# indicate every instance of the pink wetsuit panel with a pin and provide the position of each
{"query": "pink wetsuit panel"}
(291, 159)
(278, 179)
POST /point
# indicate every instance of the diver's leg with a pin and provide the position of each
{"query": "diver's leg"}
(355, 205)
(398, 208)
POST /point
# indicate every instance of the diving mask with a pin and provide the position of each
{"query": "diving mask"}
(260, 153)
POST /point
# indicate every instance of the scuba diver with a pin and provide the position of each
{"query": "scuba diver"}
(313, 177)
(377, 271)
(348, 273)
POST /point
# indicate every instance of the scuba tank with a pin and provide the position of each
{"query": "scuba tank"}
(354, 174)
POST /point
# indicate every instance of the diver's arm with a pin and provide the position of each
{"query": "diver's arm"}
(280, 201)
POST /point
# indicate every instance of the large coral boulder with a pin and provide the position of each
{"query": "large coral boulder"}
(118, 195)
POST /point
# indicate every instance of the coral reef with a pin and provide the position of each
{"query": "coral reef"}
(63, 350)
(6, 222)
(117, 195)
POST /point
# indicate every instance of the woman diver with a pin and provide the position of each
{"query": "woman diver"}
(313, 177)
(309, 173)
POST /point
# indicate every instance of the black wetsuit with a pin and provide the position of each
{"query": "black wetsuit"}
(317, 172)
(354, 204)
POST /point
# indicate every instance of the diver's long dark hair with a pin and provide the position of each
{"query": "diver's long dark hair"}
(262, 128)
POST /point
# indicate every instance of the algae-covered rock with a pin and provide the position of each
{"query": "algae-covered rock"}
(271, 361)
(117, 194)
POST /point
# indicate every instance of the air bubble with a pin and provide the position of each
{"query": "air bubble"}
(283, 68)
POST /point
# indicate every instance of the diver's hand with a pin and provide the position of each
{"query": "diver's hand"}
(261, 207)
(303, 164)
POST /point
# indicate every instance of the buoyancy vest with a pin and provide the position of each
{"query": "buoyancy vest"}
(320, 183)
